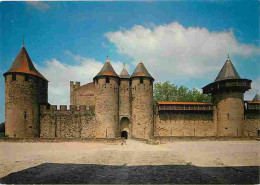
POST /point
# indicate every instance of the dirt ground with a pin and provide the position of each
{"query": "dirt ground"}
(133, 162)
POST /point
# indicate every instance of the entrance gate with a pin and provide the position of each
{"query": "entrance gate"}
(124, 127)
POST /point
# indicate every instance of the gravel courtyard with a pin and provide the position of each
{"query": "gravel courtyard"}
(133, 162)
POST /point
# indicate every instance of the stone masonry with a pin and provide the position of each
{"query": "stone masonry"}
(115, 106)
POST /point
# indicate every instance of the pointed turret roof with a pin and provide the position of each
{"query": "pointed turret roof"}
(24, 64)
(256, 98)
(141, 71)
(107, 70)
(124, 73)
(228, 71)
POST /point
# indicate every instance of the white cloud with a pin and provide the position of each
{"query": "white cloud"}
(249, 95)
(38, 5)
(60, 74)
(173, 50)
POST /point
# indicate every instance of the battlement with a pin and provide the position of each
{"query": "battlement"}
(65, 108)
(74, 85)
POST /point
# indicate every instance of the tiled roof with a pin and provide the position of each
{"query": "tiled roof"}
(255, 102)
(228, 71)
(107, 70)
(182, 103)
(124, 73)
(23, 64)
(141, 71)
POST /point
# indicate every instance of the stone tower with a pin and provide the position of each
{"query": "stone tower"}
(142, 103)
(124, 104)
(25, 90)
(227, 95)
(106, 104)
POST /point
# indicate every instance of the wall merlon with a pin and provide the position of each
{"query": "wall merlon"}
(71, 84)
(63, 107)
(53, 107)
(73, 107)
(77, 85)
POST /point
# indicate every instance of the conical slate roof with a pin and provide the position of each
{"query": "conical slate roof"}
(141, 71)
(23, 64)
(228, 71)
(256, 98)
(107, 70)
(124, 73)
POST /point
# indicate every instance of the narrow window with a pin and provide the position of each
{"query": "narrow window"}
(26, 77)
(107, 80)
(228, 116)
(25, 114)
(141, 80)
(13, 77)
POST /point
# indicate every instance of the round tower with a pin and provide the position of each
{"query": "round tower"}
(227, 94)
(106, 104)
(124, 104)
(142, 103)
(25, 90)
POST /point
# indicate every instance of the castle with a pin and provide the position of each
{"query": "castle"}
(114, 106)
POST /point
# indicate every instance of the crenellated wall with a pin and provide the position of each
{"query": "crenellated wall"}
(76, 122)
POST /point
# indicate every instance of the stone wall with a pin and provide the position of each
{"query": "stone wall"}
(22, 100)
(82, 95)
(76, 122)
(184, 126)
(142, 108)
(251, 127)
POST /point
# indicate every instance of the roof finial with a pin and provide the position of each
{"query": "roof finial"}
(228, 57)
(141, 62)
(107, 59)
(23, 40)
(124, 64)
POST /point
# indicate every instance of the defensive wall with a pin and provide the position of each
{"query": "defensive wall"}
(75, 122)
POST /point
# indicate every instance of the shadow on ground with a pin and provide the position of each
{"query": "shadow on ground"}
(98, 174)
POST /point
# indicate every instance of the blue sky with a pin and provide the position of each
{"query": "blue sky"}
(185, 42)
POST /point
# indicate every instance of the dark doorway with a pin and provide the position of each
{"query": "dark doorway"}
(124, 134)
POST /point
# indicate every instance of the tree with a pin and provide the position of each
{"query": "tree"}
(2, 127)
(169, 92)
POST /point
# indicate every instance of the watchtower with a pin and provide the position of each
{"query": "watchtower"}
(25, 90)
(142, 102)
(106, 104)
(227, 94)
